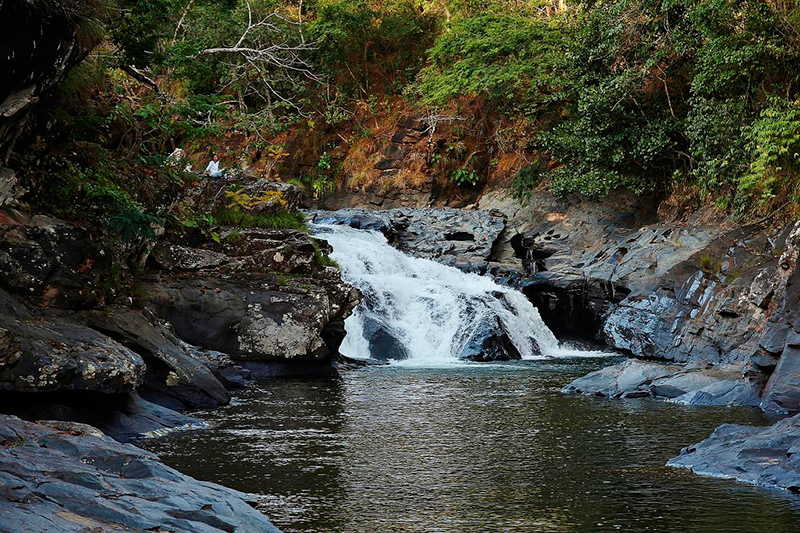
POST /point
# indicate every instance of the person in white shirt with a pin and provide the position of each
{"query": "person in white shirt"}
(213, 169)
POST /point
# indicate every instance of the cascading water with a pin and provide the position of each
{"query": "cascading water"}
(424, 311)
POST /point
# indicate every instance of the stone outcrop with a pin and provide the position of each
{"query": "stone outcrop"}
(61, 476)
(174, 376)
(767, 456)
(692, 291)
(264, 298)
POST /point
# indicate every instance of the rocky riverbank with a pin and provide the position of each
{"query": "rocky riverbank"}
(86, 340)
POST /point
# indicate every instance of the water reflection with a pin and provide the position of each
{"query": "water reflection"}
(489, 448)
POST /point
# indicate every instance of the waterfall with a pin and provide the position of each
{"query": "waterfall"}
(424, 311)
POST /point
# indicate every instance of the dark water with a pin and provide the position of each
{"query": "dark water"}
(473, 448)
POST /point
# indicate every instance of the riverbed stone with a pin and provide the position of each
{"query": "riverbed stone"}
(67, 477)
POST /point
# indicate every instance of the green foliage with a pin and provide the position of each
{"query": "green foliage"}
(526, 179)
(361, 43)
(94, 194)
(506, 58)
(463, 177)
(234, 237)
(774, 141)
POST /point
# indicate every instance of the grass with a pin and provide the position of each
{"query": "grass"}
(278, 220)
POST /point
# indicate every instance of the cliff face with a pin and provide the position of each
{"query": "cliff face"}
(700, 291)
(42, 40)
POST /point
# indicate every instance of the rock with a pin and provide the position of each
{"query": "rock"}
(690, 385)
(269, 250)
(54, 263)
(175, 257)
(253, 318)
(67, 477)
(52, 354)
(10, 191)
(383, 344)
(762, 456)
(230, 374)
(489, 341)
(632, 376)
(782, 393)
(209, 195)
(174, 378)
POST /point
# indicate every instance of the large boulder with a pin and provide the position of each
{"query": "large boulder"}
(263, 297)
(66, 477)
(47, 354)
(254, 318)
(489, 341)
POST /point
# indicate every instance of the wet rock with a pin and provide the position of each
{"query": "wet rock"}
(765, 456)
(67, 477)
(685, 384)
(383, 344)
(489, 341)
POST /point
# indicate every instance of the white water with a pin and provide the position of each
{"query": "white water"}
(429, 308)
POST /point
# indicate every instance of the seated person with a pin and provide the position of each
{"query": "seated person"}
(213, 169)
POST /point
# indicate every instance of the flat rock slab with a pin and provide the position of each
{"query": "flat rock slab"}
(68, 477)
(766, 456)
(685, 384)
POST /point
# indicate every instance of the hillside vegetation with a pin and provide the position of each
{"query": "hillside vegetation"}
(695, 99)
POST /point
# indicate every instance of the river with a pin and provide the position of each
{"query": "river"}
(431, 443)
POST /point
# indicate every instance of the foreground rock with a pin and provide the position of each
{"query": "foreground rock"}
(70, 477)
(686, 384)
(767, 456)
